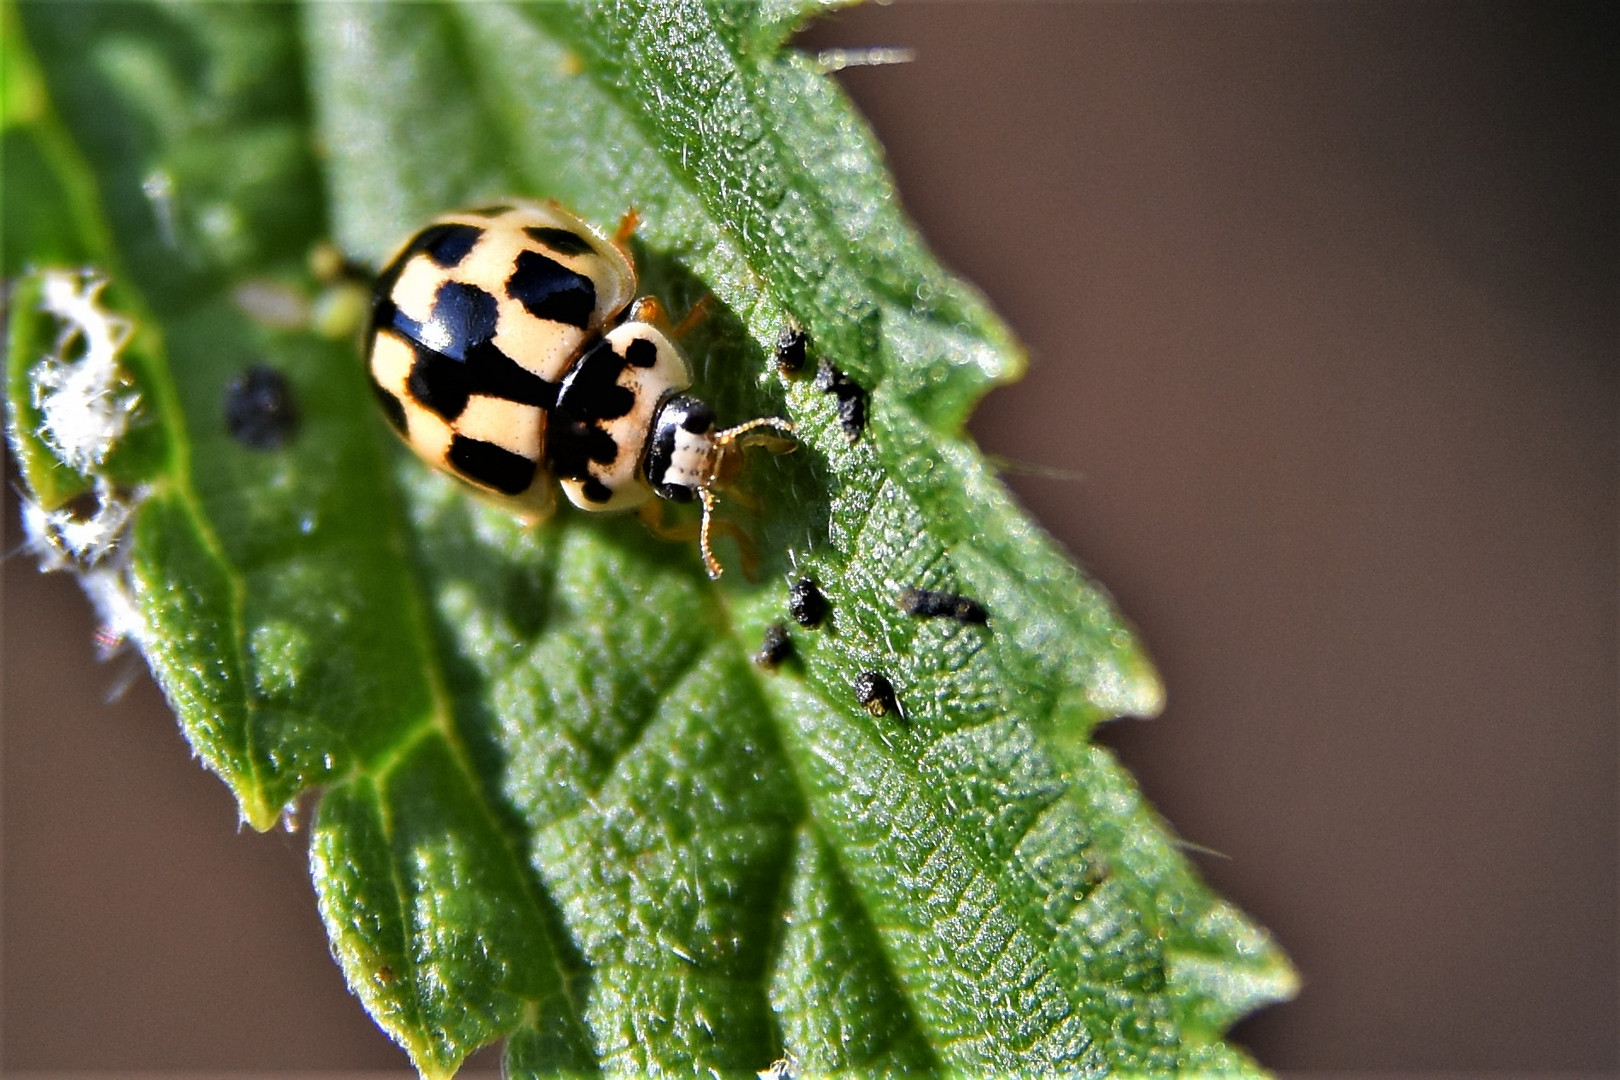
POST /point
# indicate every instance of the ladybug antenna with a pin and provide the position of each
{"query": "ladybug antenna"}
(707, 498)
(724, 467)
(726, 462)
(730, 435)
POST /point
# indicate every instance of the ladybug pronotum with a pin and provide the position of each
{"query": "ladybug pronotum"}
(504, 348)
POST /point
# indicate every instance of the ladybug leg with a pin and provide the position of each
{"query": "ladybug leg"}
(652, 517)
(648, 309)
(626, 229)
(694, 318)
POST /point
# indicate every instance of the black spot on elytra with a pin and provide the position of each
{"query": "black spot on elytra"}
(463, 320)
(549, 290)
(561, 241)
(589, 397)
(806, 603)
(384, 312)
(440, 383)
(466, 362)
(847, 394)
(491, 465)
(446, 244)
(391, 407)
(594, 490)
(928, 604)
(259, 409)
(444, 384)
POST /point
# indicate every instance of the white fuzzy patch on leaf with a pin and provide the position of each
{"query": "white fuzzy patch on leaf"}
(67, 539)
(86, 406)
(83, 398)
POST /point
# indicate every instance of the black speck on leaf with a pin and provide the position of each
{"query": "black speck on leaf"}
(928, 604)
(259, 408)
(848, 396)
(806, 603)
(876, 693)
(790, 348)
(775, 648)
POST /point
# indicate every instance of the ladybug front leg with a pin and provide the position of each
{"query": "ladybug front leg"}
(649, 310)
(627, 229)
(694, 318)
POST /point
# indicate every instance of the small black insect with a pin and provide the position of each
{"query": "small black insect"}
(848, 394)
(875, 693)
(806, 603)
(259, 409)
(776, 647)
(790, 345)
(927, 604)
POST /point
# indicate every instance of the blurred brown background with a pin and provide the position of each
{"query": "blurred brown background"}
(1321, 300)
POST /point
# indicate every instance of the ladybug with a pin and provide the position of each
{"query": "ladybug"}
(505, 350)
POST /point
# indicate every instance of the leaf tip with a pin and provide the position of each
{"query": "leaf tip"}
(1130, 685)
(256, 809)
(431, 1068)
(433, 1058)
(1143, 693)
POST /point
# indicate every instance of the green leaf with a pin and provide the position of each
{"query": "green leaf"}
(558, 802)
